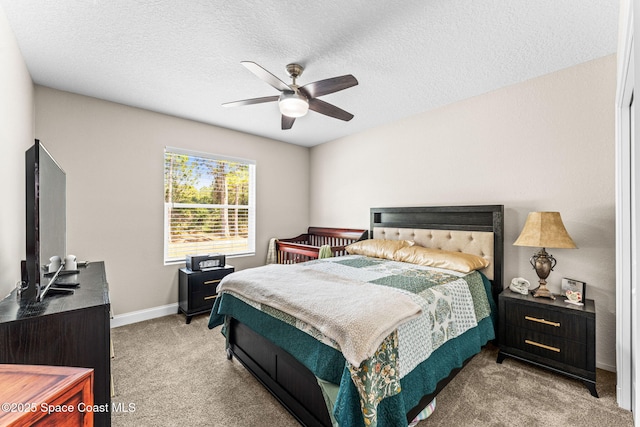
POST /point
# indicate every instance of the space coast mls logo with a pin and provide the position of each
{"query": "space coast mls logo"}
(23, 407)
(115, 407)
(123, 407)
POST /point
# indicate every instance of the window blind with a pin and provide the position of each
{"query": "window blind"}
(209, 204)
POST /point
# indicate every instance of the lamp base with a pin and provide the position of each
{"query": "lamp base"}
(543, 264)
(543, 292)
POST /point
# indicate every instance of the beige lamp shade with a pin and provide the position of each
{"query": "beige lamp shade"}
(545, 230)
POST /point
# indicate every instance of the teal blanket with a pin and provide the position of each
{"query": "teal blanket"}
(396, 393)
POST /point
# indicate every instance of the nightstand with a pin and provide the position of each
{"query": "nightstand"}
(197, 289)
(549, 333)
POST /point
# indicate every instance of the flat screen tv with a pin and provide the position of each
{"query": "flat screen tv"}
(46, 227)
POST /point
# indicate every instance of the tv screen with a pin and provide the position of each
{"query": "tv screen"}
(46, 227)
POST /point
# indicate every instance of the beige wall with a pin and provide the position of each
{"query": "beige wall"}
(113, 157)
(16, 135)
(545, 144)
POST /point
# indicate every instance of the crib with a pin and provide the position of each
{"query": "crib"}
(307, 246)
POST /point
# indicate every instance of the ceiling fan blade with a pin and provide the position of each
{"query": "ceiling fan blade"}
(266, 76)
(251, 101)
(324, 87)
(330, 110)
(287, 122)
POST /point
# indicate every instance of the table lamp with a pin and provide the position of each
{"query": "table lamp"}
(545, 230)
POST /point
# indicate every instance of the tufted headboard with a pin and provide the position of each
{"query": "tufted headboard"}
(476, 230)
(471, 242)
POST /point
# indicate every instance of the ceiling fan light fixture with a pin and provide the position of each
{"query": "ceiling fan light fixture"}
(293, 104)
(295, 101)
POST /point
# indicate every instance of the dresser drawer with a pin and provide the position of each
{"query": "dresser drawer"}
(551, 347)
(546, 321)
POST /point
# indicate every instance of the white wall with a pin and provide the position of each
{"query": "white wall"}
(113, 157)
(16, 135)
(545, 144)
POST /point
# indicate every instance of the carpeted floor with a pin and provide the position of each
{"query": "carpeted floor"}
(168, 373)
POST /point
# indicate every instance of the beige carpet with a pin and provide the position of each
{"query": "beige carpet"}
(168, 373)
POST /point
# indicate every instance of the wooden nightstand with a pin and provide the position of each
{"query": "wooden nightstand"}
(197, 289)
(549, 333)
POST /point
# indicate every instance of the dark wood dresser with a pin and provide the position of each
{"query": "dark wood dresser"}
(549, 333)
(64, 330)
(37, 395)
(197, 289)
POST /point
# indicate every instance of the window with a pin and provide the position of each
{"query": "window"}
(209, 205)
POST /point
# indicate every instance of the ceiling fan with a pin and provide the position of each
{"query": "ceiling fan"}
(295, 101)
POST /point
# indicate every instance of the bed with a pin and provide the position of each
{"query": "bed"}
(306, 373)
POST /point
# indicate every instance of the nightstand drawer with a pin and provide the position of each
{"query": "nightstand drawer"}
(205, 284)
(546, 321)
(551, 347)
(202, 299)
(207, 279)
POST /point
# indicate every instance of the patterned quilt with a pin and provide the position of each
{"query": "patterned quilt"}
(452, 303)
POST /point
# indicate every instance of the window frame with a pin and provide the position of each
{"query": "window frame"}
(251, 204)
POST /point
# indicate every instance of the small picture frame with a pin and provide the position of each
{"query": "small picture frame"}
(574, 290)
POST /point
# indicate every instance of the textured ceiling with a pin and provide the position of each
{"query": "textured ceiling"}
(183, 57)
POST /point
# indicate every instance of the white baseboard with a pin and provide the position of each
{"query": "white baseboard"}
(605, 366)
(142, 315)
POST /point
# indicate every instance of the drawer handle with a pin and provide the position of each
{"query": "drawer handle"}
(546, 347)
(212, 282)
(546, 322)
(210, 297)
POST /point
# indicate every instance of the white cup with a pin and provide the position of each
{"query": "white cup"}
(54, 263)
(70, 263)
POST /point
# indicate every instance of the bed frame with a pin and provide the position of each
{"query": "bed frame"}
(293, 384)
